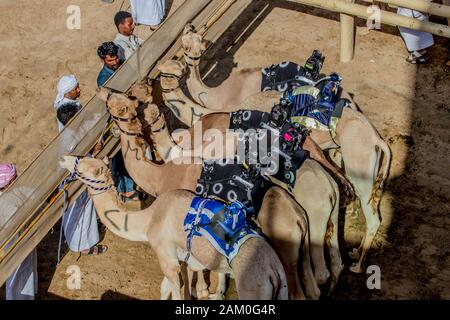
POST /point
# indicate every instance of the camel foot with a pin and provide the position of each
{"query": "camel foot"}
(356, 268)
(216, 296)
(202, 294)
(322, 277)
(354, 254)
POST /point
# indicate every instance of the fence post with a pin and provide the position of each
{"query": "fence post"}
(347, 36)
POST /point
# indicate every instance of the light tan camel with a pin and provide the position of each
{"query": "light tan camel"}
(188, 111)
(239, 88)
(366, 157)
(219, 122)
(257, 270)
(123, 108)
(315, 191)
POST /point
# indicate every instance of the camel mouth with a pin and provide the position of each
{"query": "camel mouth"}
(65, 163)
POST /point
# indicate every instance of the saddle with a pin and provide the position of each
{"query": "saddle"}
(225, 226)
(279, 141)
(317, 107)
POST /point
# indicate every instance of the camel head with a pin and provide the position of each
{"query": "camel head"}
(171, 73)
(152, 114)
(189, 28)
(193, 46)
(121, 106)
(90, 168)
(142, 91)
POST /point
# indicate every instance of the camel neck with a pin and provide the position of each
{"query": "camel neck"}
(145, 173)
(186, 110)
(130, 226)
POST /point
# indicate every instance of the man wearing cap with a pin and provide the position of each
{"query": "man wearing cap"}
(22, 283)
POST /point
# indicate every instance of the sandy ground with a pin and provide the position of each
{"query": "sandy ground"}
(407, 104)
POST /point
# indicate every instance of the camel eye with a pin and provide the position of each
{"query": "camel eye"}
(99, 171)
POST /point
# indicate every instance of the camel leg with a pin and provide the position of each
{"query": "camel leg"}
(333, 246)
(289, 254)
(221, 287)
(171, 269)
(318, 232)
(309, 281)
(201, 286)
(372, 224)
(193, 293)
(165, 289)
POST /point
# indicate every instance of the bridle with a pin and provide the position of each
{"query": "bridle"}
(90, 183)
(173, 76)
(118, 119)
(158, 117)
(186, 55)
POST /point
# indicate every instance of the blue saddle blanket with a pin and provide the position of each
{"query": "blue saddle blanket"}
(224, 226)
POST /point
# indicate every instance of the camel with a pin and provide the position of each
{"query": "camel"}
(220, 121)
(188, 111)
(232, 92)
(365, 155)
(257, 270)
(154, 178)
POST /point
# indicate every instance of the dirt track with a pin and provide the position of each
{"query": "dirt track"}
(407, 104)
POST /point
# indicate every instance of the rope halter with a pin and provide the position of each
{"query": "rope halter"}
(192, 58)
(173, 76)
(90, 183)
(158, 117)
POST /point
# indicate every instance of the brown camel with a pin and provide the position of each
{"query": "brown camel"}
(257, 270)
(365, 155)
(156, 178)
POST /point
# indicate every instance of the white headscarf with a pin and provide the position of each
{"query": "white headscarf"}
(65, 85)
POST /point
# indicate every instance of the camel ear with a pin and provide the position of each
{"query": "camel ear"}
(158, 65)
(206, 44)
(106, 160)
(189, 28)
(103, 93)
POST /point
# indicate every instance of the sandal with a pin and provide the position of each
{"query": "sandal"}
(96, 250)
(417, 58)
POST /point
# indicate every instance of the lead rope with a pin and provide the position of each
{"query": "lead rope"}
(64, 209)
(191, 231)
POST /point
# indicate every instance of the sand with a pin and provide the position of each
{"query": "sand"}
(407, 104)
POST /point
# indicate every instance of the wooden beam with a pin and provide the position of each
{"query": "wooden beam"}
(347, 36)
(436, 9)
(386, 17)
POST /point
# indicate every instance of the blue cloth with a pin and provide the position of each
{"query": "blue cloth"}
(104, 75)
(229, 229)
(122, 179)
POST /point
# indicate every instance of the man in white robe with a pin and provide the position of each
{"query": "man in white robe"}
(148, 12)
(416, 41)
(80, 219)
(127, 41)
